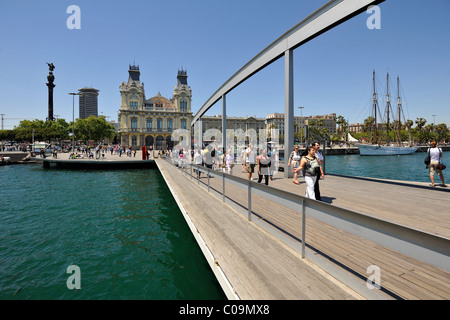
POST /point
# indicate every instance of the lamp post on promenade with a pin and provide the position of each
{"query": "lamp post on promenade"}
(303, 123)
(73, 94)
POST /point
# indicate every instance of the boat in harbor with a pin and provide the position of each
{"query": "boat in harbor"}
(387, 149)
(380, 150)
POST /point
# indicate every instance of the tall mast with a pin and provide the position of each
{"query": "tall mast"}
(399, 104)
(375, 106)
(388, 106)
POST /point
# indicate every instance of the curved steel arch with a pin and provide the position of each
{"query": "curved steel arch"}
(325, 18)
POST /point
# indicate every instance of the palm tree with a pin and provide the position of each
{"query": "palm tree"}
(420, 122)
(368, 123)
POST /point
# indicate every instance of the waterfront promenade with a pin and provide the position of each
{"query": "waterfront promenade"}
(104, 161)
(259, 266)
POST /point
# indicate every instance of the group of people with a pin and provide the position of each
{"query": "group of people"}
(216, 159)
(265, 163)
(310, 164)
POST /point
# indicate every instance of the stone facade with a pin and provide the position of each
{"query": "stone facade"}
(150, 122)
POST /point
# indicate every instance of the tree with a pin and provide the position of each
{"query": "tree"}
(420, 123)
(340, 120)
(368, 123)
(93, 128)
(43, 130)
(442, 132)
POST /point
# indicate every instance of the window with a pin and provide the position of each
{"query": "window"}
(133, 104)
(183, 106)
(169, 124)
(159, 124)
(183, 123)
(134, 124)
(149, 124)
(134, 141)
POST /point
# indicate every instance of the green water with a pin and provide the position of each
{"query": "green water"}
(405, 167)
(123, 230)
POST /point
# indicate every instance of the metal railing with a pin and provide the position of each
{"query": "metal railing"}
(431, 249)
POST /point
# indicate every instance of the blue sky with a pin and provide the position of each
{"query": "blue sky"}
(212, 40)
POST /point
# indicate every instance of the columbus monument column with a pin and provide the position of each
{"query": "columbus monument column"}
(50, 86)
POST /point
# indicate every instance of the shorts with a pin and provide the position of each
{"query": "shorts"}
(250, 167)
(432, 167)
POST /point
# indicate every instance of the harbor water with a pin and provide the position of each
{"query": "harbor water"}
(121, 228)
(404, 167)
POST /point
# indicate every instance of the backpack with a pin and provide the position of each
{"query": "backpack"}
(314, 168)
(427, 158)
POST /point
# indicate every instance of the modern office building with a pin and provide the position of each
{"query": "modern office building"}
(88, 102)
(150, 122)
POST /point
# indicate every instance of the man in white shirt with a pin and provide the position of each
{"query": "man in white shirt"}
(319, 157)
(198, 159)
(251, 160)
(435, 159)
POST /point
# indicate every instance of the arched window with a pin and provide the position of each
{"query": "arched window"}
(183, 105)
(134, 124)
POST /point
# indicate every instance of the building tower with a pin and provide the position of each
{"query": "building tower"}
(182, 93)
(88, 102)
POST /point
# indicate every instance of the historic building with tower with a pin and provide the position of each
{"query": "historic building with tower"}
(150, 122)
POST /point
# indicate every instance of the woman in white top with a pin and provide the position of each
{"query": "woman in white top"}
(306, 165)
(229, 162)
(294, 161)
(435, 159)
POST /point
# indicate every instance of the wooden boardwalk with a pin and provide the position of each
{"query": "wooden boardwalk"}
(256, 264)
(260, 267)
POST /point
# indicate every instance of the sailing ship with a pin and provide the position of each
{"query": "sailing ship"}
(375, 149)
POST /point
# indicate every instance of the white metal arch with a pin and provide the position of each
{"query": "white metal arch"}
(325, 18)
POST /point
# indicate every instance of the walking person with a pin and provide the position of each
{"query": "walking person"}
(294, 161)
(310, 165)
(263, 167)
(198, 159)
(319, 157)
(243, 159)
(435, 160)
(208, 157)
(229, 161)
(251, 160)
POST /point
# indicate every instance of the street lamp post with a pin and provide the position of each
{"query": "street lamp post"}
(303, 123)
(73, 94)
